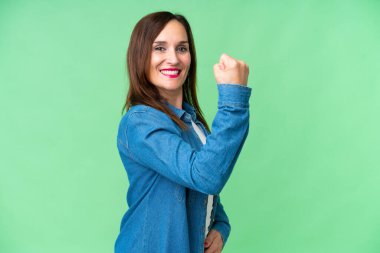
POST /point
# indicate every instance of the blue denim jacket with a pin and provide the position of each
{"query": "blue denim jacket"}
(171, 173)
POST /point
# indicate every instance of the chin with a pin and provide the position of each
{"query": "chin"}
(169, 87)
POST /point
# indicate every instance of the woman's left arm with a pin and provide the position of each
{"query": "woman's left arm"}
(221, 222)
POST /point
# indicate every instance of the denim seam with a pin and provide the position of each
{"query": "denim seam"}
(234, 104)
(133, 114)
(122, 143)
(144, 228)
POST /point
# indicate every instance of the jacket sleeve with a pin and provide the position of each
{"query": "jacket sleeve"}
(153, 140)
(221, 222)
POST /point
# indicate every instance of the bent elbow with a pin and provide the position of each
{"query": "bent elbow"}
(214, 186)
(209, 182)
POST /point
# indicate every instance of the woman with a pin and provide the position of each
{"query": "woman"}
(175, 175)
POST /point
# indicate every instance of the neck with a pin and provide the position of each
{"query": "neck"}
(174, 98)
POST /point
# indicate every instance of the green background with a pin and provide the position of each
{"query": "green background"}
(308, 178)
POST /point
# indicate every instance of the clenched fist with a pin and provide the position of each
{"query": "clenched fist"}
(231, 71)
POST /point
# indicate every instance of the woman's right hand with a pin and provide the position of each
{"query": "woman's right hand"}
(231, 71)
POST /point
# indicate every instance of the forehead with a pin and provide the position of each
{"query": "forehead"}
(173, 31)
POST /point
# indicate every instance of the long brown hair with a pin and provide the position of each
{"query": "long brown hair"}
(141, 91)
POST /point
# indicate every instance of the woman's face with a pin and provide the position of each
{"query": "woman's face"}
(170, 59)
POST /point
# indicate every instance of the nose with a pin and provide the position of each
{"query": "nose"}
(172, 57)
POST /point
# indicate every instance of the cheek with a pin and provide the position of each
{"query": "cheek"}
(187, 61)
(154, 61)
(152, 69)
(152, 65)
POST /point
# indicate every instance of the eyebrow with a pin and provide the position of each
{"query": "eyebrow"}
(164, 42)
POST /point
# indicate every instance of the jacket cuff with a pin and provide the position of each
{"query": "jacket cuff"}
(234, 94)
(223, 229)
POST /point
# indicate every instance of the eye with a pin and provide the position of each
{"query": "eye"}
(183, 49)
(160, 49)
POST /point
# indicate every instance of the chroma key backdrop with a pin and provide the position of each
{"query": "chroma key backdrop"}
(308, 178)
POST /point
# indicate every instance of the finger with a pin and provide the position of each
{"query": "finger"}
(230, 62)
(209, 250)
(208, 241)
(217, 241)
(226, 59)
(223, 57)
(212, 234)
(216, 67)
(211, 238)
(219, 67)
(213, 248)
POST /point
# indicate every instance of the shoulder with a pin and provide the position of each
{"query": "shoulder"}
(144, 118)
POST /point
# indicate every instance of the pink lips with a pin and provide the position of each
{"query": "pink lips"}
(171, 75)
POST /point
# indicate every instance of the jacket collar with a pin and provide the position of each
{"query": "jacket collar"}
(186, 108)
